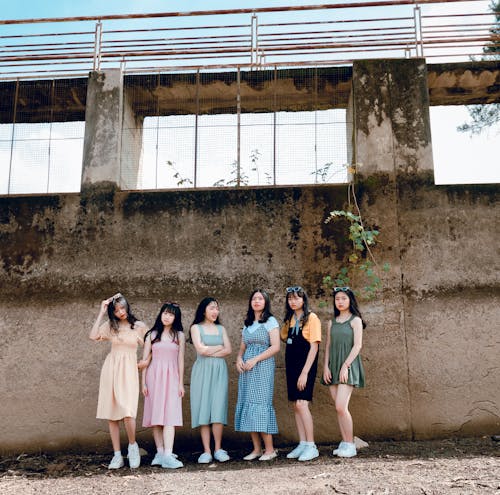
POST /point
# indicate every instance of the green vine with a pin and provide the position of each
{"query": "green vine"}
(360, 262)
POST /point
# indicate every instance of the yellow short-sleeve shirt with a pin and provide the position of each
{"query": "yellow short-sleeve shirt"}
(311, 330)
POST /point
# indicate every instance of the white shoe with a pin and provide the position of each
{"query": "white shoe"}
(252, 456)
(134, 456)
(269, 457)
(157, 460)
(295, 453)
(116, 462)
(309, 453)
(348, 450)
(171, 462)
(341, 445)
(221, 455)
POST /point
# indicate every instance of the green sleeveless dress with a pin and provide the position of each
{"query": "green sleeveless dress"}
(341, 342)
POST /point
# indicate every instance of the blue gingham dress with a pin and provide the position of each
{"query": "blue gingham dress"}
(254, 408)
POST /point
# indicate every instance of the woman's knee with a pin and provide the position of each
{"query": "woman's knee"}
(341, 408)
(301, 405)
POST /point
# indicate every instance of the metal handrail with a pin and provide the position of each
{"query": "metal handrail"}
(256, 42)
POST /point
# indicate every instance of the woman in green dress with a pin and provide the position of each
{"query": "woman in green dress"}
(343, 369)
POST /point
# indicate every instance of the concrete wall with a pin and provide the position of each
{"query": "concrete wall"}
(431, 347)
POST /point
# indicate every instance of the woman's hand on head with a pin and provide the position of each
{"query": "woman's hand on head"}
(104, 305)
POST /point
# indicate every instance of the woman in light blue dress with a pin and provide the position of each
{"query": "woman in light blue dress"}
(209, 378)
(260, 341)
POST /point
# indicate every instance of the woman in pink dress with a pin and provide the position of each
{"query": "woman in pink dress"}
(163, 382)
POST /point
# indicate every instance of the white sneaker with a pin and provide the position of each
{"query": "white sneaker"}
(171, 462)
(134, 456)
(116, 462)
(157, 460)
(348, 450)
(341, 445)
(309, 453)
(295, 453)
(221, 455)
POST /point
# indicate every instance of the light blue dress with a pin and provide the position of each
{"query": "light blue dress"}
(254, 408)
(209, 385)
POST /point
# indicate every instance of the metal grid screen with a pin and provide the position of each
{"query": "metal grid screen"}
(239, 130)
(39, 153)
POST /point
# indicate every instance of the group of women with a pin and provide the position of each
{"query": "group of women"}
(162, 366)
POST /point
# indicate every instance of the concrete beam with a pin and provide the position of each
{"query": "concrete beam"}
(169, 94)
(464, 83)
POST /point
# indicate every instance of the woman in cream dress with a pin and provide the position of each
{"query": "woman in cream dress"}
(119, 383)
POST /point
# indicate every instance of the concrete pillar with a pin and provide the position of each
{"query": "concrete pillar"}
(390, 112)
(103, 128)
(113, 135)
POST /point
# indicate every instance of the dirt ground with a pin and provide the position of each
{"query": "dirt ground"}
(458, 466)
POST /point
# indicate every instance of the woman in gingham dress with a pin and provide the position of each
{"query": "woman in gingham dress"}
(260, 341)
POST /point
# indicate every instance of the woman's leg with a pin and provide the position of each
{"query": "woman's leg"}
(205, 438)
(130, 429)
(114, 433)
(298, 422)
(257, 446)
(168, 438)
(342, 397)
(217, 429)
(158, 437)
(268, 443)
(305, 419)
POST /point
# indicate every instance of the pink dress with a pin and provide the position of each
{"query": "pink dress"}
(163, 404)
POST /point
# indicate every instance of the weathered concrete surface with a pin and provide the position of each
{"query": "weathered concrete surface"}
(103, 128)
(464, 83)
(391, 116)
(431, 348)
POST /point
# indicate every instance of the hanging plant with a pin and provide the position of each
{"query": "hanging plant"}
(360, 263)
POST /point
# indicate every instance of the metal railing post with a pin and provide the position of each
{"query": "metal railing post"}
(252, 40)
(97, 38)
(238, 136)
(417, 24)
(16, 97)
(196, 117)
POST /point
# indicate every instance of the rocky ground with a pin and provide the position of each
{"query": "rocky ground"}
(459, 466)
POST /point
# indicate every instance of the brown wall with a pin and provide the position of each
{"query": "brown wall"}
(431, 348)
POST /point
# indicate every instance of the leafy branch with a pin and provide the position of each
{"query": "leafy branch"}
(177, 175)
(360, 262)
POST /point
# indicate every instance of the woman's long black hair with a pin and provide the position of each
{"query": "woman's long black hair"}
(199, 316)
(266, 313)
(353, 304)
(289, 311)
(113, 320)
(158, 327)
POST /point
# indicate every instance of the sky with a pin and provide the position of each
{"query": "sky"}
(458, 158)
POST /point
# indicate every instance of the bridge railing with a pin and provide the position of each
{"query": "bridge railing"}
(330, 34)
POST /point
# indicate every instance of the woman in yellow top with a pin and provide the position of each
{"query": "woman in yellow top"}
(302, 334)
